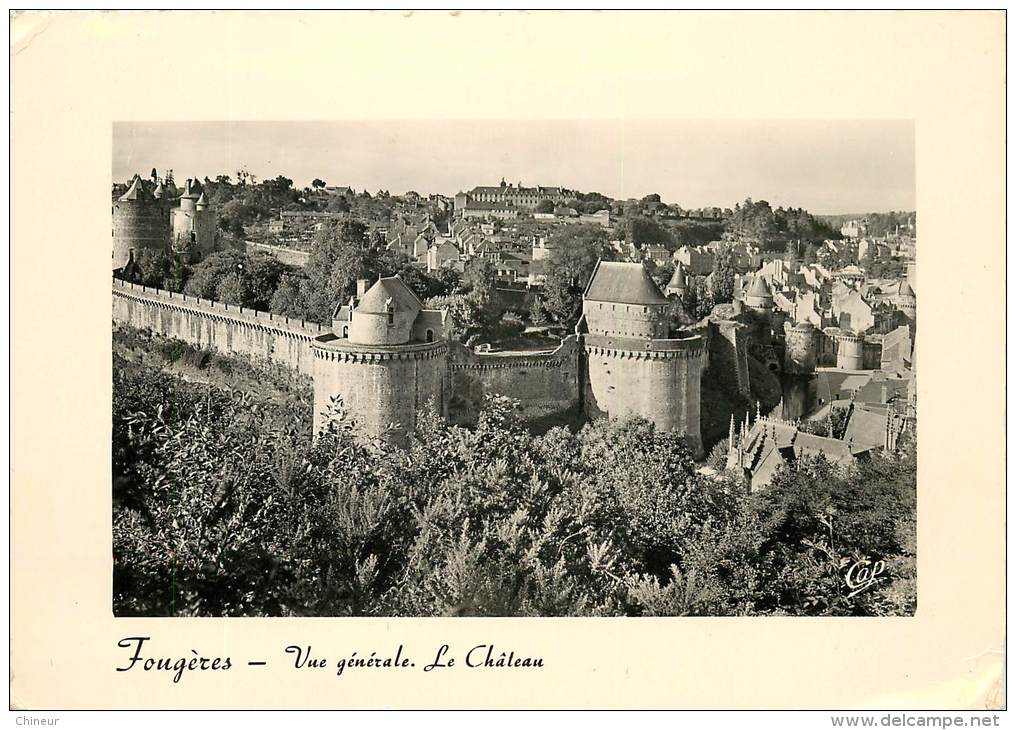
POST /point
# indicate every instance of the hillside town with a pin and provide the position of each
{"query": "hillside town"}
(830, 311)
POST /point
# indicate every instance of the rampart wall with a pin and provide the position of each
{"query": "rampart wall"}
(288, 256)
(217, 326)
(728, 354)
(545, 384)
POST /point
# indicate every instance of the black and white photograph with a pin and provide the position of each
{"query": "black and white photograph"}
(512, 359)
(514, 368)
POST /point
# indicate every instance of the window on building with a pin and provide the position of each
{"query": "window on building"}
(430, 335)
(345, 331)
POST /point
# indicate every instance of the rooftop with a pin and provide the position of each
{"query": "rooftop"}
(392, 287)
(623, 283)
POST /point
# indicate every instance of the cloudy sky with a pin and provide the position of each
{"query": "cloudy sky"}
(824, 166)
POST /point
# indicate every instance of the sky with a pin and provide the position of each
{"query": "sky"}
(824, 166)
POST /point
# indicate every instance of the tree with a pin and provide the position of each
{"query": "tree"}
(337, 204)
(479, 279)
(793, 249)
(465, 321)
(810, 254)
(753, 221)
(644, 232)
(661, 273)
(318, 184)
(340, 254)
(545, 206)
(232, 277)
(538, 313)
(575, 251)
(288, 298)
(721, 281)
(224, 506)
(155, 267)
(702, 301)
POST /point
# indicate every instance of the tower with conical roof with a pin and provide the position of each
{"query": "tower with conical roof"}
(758, 297)
(140, 223)
(636, 363)
(906, 303)
(193, 223)
(678, 285)
(385, 359)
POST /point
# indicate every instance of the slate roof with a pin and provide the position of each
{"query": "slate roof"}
(623, 283)
(812, 445)
(136, 191)
(375, 298)
(865, 430)
(758, 288)
(678, 280)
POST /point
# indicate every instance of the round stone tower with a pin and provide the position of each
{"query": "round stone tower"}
(385, 359)
(801, 350)
(850, 352)
(139, 222)
(634, 364)
(659, 380)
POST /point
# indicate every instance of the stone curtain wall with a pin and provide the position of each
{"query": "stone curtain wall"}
(288, 256)
(221, 327)
(546, 384)
(728, 354)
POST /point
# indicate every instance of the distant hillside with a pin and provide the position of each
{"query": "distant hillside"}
(840, 218)
(876, 224)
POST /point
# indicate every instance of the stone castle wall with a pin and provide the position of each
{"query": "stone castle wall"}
(288, 256)
(388, 385)
(546, 384)
(728, 353)
(217, 326)
(657, 379)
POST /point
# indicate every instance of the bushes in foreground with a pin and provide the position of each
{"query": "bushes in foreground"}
(223, 507)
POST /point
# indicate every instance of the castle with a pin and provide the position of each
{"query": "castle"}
(154, 215)
(387, 357)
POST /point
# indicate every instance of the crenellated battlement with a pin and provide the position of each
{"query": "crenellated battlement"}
(464, 358)
(330, 347)
(630, 348)
(217, 326)
(217, 311)
(383, 382)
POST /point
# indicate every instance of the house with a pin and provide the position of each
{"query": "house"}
(440, 253)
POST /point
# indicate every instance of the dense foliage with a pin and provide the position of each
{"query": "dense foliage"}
(771, 229)
(576, 249)
(224, 506)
